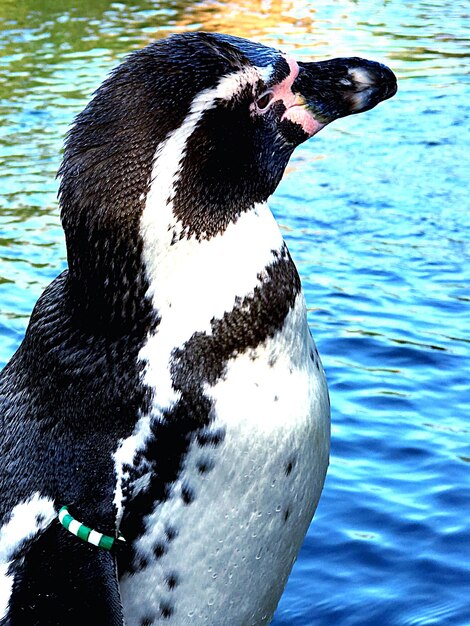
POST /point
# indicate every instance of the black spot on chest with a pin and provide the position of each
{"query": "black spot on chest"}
(172, 581)
(166, 609)
(171, 533)
(204, 466)
(159, 550)
(289, 466)
(210, 437)
(187, 494)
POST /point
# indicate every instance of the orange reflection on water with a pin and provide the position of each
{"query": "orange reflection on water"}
(250, 18)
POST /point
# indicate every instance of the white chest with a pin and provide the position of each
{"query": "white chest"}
(228, 535)
(219, 546)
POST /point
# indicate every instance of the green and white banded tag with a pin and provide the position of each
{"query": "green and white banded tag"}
(84, 533)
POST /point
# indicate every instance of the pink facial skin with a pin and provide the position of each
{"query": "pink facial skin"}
(296, 109)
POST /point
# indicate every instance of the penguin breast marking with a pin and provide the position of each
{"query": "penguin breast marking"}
(260, 406)
(168, 386)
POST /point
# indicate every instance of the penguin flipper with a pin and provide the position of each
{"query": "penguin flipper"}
(58, 579)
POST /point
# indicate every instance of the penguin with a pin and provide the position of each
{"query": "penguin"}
(166, 420)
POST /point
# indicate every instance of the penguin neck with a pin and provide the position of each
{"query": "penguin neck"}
(126, 281)
(140, 234)
(194, 280)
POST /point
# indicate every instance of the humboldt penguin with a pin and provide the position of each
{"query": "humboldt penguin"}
(166, 421)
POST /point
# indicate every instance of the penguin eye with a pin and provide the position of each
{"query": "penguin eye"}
(264, 100)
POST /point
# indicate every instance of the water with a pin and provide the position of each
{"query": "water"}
(376, 213)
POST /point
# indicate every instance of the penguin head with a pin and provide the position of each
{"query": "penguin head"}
(211, 121)
(248, 107)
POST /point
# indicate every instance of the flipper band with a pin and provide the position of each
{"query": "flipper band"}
(84, 533)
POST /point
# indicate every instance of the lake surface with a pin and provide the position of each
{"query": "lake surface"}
(376, 213)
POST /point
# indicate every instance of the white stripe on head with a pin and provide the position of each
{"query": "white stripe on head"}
(158, 221)
(265, 72)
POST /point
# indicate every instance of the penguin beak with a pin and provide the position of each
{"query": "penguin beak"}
(339, 87)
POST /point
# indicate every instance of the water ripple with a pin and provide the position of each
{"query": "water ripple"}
(376, 213)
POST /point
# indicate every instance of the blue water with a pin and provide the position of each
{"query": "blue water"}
(376, 213)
